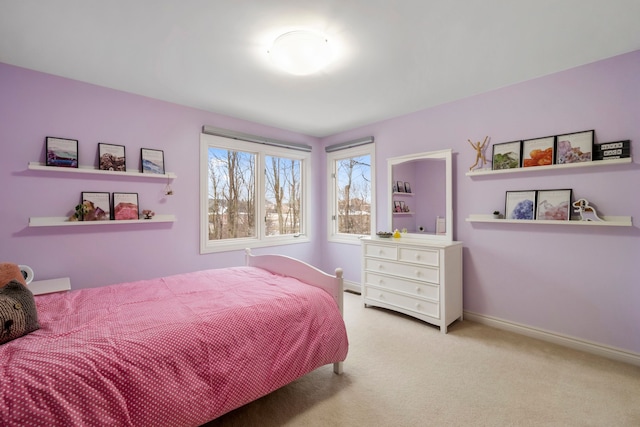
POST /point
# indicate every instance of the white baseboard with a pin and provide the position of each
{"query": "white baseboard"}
(567, 341)
(351, 286)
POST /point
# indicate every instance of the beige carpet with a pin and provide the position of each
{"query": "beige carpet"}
(403, 372)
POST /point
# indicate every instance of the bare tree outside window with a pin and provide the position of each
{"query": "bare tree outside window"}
(232, 194)
(353, 181)
(282, 196)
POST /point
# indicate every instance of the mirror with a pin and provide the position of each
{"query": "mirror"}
(421, 199)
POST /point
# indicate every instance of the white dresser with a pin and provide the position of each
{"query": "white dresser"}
(420, 278)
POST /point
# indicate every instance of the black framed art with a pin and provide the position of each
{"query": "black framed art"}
(553, 205)
(152, 161)
(62, 152)
(95, 206)
(574, 147)
(506, 155)
(125, 206)
(400, 186)
(407, 187)
(538, 152)
(111, 157)
(520, 204)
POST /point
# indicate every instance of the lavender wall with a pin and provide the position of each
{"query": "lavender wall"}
(35, 105)
(571, 280)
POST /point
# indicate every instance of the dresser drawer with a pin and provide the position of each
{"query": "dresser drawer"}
(419, 256)
(381, 251)
(413, 272)
(408, 303)
(422, 290)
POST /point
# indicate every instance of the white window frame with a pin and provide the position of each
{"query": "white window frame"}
(261, 150)
(332, 197)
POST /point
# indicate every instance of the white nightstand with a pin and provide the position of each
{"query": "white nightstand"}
(39, 287)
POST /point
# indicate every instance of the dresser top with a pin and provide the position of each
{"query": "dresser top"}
(411, 241)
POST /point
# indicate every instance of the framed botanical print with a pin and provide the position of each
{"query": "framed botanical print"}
(125, 206)
(152, 161)
(538, 152)
(506, 155)
(62, 152)
(111, 157)
(95, 206)
(553, 205)
(520, 204)
(574, 147)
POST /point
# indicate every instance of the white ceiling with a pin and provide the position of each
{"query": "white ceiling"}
(398, 56)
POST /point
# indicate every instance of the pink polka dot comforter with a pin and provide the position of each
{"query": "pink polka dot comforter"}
(175, 351)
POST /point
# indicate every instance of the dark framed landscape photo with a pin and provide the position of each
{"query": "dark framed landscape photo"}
(520, 204)
(152, 161)
(95, 206)
(62, 152)
(506, 155)
(553, 205)
(111, 157)
(125, 206)
(407, 187)
(574, 147)
(538, 152)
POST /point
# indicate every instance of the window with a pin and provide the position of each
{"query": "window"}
(252, 194)
(351, 193)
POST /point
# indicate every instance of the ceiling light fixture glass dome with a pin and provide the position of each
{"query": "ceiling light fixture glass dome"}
(301, 52)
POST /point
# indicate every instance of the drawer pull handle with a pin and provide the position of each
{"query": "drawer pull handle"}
(417, 273)
(380, 282)
(381, 296)
(380, 266)
(418, 306)
(417, 256)
(418, 290)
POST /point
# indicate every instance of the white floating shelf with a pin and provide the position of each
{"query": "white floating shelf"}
(402, 193)
(611, 221)
(64, 221)
(402, 213)
(593, 163)
(92, 170)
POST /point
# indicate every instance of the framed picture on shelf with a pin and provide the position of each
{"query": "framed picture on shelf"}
(111, 157)
(553, 205)
(396, 206)
(506, 155)
(125, 206)
(407, 187)
(520, 204)
(538, 152)
(400, 186)
(574, 147)
(62, 152)
(95, 206)
(152, 161)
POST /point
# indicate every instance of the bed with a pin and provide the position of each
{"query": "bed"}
(174, 351)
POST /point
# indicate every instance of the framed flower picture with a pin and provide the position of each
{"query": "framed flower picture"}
(520, 205)
(538, 152)
(553, 205)
(95, 206)
(574, 147)
(125, 206)
(111, 157)
(62, 152)
(152, 161)
(506, 155)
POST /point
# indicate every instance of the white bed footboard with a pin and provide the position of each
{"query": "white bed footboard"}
(291, 267)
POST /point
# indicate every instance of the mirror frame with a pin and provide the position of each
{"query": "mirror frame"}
(445, 155)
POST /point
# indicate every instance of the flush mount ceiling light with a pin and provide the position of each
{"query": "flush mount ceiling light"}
(301, 52)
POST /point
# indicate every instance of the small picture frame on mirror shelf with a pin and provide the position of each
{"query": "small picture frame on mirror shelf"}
(400, 186)
(61, 152)
(407, 187)
(125, 206)
(111, 157)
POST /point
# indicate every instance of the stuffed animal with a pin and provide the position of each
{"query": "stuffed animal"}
(10, 271)
(18, 315)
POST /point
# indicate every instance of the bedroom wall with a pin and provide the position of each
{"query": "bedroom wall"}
(575, 281)
(35, 105)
